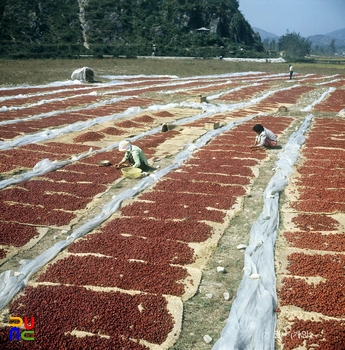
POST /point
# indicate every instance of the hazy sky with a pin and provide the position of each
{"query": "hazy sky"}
(307, 17)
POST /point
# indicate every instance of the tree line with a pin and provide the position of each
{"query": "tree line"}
(294, 47)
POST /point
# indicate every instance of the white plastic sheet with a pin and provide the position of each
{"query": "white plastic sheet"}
(323, 96)
(252, 320)
(83, 74)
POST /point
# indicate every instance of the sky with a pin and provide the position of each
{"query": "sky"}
(306, 17)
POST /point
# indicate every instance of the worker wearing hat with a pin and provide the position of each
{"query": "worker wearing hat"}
(134, 156)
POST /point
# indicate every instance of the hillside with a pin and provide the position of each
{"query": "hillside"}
(324, 41)
(127, 27)
(320, 43)
(265, 35)
(338, 34)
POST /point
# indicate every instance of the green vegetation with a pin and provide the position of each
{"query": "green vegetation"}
(38, 71)
(37, 30)
(293, 46)
(331, 49)
(131, 28)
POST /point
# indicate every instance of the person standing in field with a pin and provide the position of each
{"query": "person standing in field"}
(291, 71)
(264, 138)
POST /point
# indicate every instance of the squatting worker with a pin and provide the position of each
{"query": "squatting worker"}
(134, 156)
(264, 137)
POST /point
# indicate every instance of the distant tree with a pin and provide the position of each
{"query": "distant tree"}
(294, 46)
(270, 45)
(332, 48)
(266, 43)
(273, 45)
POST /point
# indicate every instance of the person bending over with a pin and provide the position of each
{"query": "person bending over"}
(134, 156)
(264, 137)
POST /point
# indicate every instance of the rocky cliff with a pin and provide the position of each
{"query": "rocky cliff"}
(124, 27)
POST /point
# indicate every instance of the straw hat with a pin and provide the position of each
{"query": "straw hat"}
(124, 146)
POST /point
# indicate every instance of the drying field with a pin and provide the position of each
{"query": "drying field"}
(99, 261)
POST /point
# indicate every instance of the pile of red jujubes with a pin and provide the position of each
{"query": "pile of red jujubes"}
(198, 84)
(245, 93)
(117, 316)
(37, 125)
(317, 280)
(54, 198)
(14, 234)
(335, 102)
(43, 202)
(112, 131)
(32, 89)
(93, 174)
(207, 89)
(314, 222)
(48, 106)
(144, 119)
(119, 275)
(59, 116)
(326, 296)
(163, 114)
(49, 201)
(144, 276)
(282, 97)
(127, 124)
(148, 248)
(337, 83)
(89, 136)
(29, 155)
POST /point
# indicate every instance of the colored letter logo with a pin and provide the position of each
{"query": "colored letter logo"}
(24, 334)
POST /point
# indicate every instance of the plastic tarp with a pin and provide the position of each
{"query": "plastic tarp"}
(309, 108)
(12, 282)
(341, 113)
(83, 74)
(252, 320)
